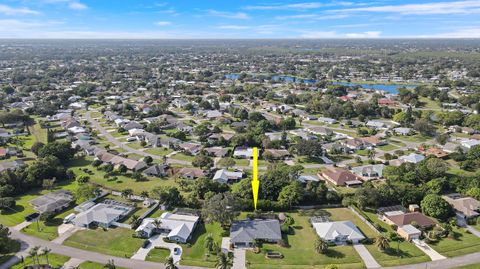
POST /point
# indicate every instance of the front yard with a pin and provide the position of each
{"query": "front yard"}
(463, 243)
(116, 241)
(195, 254)
(158, 255)
(300, 253)
(55, 261)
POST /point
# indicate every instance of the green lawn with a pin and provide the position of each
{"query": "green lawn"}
(94, 265)
(408, 253)
(301, 254)
(388, 147)
(158, 255)
(55, 260)
(413, 138)
(121, 183)
(245, 162)
(159, 151)
(195, 255)
(23, 208)
(462, 243)
(183, 157)
(115, 241)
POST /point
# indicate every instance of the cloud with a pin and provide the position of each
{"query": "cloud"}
(233, 27)
(229, 15)
(297, 6)
(312, 17)
(163, 23)
(71, 4)
(456, 7)
(7, 10)
(334, 34)
(368, 34)
(77, 6)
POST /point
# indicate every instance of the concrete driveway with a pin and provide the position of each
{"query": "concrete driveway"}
(367, 258)
(157, 241)
(239, 258)
(434, 255)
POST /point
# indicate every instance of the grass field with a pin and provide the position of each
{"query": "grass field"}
(94, 265)
(121, 183)
(159, 151)
(388, 147)
(116, 241)
(158, 255)
(23, 208)
(55, 261)
(195, 255)
(183, 157)
(301, 254)
(462, 243)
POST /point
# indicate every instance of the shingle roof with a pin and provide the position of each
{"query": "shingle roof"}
(249, 230)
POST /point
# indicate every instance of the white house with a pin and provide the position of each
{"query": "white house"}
(243, 153)
(412, 158)
(338, 232)
(225, 176)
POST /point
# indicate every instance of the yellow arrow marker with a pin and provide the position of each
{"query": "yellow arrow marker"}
(255, 182)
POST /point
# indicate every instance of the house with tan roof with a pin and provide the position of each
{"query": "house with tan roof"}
(340, 177)
(466, 207)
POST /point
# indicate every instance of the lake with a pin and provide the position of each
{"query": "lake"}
(390, 88)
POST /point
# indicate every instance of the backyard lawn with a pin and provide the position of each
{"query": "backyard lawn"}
(300, 253)
(55, 261)
(158, 255)
(183, 157)
(116, 241)
(121, 183)
(463, 243)
(195, 255)
(159, 151)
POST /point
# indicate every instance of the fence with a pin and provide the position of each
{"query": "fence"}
(364, 220)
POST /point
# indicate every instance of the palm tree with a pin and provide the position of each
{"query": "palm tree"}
(32, 253)
(35, 250)
(223, 261)
(134, 220)
(169, 264)
(382, 243)
(321, 246)
(144, 194)
(371, 154)
(46, 251)
(110, 265)
(209, 241)
(158, 225)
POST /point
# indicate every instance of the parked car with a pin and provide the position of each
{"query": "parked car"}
(32, 216)
(146, 243)
(176, 251)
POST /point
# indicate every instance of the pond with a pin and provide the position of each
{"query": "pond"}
(390, 88)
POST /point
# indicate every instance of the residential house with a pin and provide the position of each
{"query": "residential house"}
(466, 207)
(176, 227)
(368, 172)
(225, 176)
(409, 232)
(52, 202)
(277, 154)
(337, 232)
(403, 131)
(244, 233)
(132, 125)
(400, 219)
(327, 120)
(243, 153)
(191, 173)
(437, 152)
(320, 131)
(191, 148)
(116, 160)
(340, 177)
(217, 151)
(376, 124)
(157, 170)
(412, 158)
(104, 214)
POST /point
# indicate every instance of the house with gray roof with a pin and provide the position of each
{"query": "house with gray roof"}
(52, 202)
(338, 232)
(103, 214)
(243, 233)
(369, 171)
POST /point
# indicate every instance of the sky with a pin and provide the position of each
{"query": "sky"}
(220, 19)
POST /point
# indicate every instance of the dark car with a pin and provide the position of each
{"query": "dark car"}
(146, 244)
(32, 216)
(176, 251)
